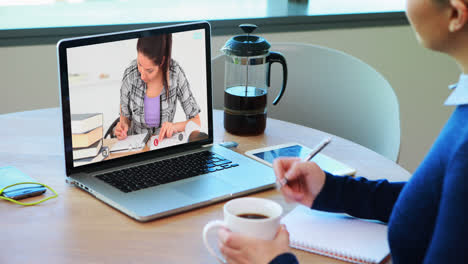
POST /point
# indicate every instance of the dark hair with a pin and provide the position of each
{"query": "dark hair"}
(158, 48)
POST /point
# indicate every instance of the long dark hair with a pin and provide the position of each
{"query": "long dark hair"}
(158, 48)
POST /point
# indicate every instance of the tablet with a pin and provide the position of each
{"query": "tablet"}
(326, 163)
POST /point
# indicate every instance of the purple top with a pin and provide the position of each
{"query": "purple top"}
(152, 111)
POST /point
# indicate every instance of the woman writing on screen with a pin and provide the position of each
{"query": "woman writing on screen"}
(151, 86)
(427, 216)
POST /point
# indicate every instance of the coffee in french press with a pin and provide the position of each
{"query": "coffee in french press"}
(247, 78)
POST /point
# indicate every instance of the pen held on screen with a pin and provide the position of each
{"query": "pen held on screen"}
(284, 181)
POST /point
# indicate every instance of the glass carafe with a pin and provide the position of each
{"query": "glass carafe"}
(247, 79)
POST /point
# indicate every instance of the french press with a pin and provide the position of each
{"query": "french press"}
(247, 79)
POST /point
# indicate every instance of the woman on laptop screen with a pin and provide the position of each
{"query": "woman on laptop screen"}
(150, 88)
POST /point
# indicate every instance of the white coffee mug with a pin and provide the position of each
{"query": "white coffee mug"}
(239, 217)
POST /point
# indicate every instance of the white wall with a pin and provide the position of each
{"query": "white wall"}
(419, 77)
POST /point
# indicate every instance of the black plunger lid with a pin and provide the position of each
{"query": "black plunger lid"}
(246, 45)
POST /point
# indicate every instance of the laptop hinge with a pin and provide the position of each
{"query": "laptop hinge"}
(207, 145)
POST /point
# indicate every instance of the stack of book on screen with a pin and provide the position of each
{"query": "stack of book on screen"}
(87, 134)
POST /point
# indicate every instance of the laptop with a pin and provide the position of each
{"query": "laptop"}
(103, 79)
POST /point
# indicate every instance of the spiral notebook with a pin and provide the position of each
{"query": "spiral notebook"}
(337, 235)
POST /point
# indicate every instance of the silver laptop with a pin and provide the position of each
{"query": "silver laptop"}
(113, 108)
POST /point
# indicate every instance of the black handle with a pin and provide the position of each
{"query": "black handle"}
(277, 57)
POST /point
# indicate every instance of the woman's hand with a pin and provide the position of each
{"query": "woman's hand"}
(305, 179)
(121, 130)
(167, 130)
(241, 249)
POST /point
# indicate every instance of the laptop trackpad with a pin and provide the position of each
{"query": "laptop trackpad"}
(205, 187)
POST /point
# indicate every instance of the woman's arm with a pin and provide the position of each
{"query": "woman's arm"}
(285, 258)
(124, 119)
(121, 129)
(186, 98)
(187, 101)
(358, 197)
(196, 120)
(123, 125)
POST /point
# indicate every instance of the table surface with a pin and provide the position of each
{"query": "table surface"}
(77, 228)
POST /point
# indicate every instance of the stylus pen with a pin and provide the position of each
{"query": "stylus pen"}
(315, 151)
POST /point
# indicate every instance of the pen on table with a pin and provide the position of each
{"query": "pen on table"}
(311, 155)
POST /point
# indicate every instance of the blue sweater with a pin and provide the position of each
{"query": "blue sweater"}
(428, 216)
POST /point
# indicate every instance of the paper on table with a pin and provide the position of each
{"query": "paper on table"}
(131, 143)
(177, 138)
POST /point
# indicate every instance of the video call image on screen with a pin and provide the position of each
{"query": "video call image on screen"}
(119, 101)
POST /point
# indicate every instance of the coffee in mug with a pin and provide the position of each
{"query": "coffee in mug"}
(256, 217)
(252, 216)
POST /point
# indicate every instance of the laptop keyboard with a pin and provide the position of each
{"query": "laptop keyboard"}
(165, 171)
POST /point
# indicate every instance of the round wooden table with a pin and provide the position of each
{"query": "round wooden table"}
(77, 228)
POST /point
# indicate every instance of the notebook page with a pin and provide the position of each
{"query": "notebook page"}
(177, 138)
(131, 143)
(345, 236)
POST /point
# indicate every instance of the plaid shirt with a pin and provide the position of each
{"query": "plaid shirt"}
(132, 95)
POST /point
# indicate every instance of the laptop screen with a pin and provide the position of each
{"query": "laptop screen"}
(135, 92)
